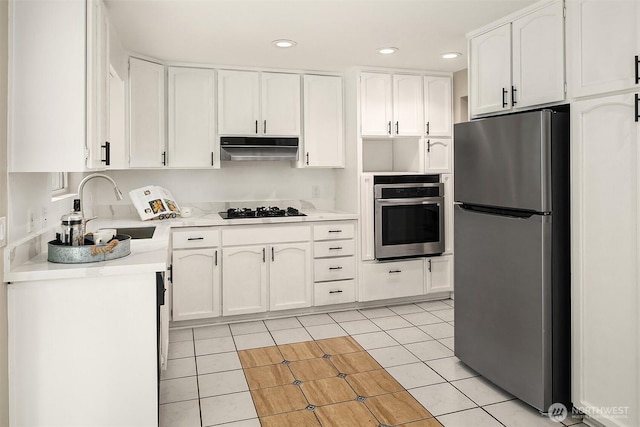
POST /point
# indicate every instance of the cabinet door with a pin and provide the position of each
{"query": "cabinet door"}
(437, 106)
(367, 219)
(408, 110)
(438, 155)
(605, 37)
(191, 139)
(393, 279)
(323, 129)
(244, 280)
(375, 104)
(280, 104)
(238, 102)
(449, 197)
(439, 274)
(146, 114)
(538, 57)
(490, 71)
(290, 284)
(196, 284)
(48, 86)
(117, 121)
(605, 256)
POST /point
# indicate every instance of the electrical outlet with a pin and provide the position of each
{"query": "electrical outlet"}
(31, 220)
(315, 191)
(3, 231)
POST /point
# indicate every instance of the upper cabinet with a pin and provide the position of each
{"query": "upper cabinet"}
(146, 114)
(50, 100)
(258, 103)
(605, 44)
(437, 106)
(519, 64)
(323, 121)
(391, 105)
(191, 118)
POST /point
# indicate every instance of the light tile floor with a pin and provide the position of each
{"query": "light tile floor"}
(205, 384)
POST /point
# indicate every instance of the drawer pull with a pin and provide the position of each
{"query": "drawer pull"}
(195, 238)
(337, 248)
(335, 231)
(338, 291)
(395, 271)
(335, 268)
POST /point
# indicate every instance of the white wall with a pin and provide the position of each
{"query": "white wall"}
(460, 96)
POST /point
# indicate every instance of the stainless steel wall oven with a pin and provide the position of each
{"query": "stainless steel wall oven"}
(408, 215)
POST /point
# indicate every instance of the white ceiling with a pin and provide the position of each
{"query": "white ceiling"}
(332, 35)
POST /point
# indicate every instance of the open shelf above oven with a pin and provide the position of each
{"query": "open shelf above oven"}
(392, 155)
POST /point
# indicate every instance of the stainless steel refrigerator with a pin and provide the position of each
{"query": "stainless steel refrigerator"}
(512, 272)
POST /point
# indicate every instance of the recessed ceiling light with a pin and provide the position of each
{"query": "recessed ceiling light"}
(284, 43)
(450, 55)
(387, 50)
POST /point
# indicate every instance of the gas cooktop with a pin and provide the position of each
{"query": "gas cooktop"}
(260, 212)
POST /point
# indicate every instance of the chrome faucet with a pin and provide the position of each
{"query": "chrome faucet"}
(80, 196)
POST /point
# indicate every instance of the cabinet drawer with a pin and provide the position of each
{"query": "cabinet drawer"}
(265, 235)
(195, 237)
(393, 279)
(334, 269)
(334, 230)
(335, 292)
(331, 248)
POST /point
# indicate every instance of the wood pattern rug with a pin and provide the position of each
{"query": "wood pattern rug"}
(330, 382)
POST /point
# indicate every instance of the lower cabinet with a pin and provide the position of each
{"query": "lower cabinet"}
(245, 280)
(196, 284)
(290, 276)
(438, 274)
(393, 279)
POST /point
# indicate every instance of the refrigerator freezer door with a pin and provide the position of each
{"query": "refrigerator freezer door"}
(505, 161)
(503, 301)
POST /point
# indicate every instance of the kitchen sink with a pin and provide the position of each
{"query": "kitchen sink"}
(137, 232)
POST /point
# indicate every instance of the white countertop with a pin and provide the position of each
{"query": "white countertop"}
(147, 255)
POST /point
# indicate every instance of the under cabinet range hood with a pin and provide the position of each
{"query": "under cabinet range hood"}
(242, 148)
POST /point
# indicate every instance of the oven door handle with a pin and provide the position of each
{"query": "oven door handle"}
(416, 201)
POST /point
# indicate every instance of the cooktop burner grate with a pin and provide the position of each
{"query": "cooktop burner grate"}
(260, 212)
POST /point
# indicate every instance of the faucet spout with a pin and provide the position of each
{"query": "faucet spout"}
(81, 191)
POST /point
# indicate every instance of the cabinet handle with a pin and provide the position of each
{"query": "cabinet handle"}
(428, 145)
(397, 128)
(637, 70)
(335, 231)
(389, 128)
(107, 153)
(504, 98)
(337, 248)
(337, 291)
(256, 127)
(215, 259)
(212, 158)
(513, 96)
(395, 271)
(195, 238)
(307, 158)
(427, 128)
(264, 127)
(335, 268)
(164, 158)
(637, 101)
(429, 266)
(272, 254)
(264, 259)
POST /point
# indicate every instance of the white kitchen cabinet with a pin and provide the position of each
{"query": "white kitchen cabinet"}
(438, 155)
(367, 243)
(376, 104)
(490, 71)
(323, 121)
(191, 118)
(605, 258)
(520, 63)
(244, 279)
(49, 100)
(195, 273)
(391, 279)
(437, 106)
(77, 343)
(438, 274)
(408, 106)
(258, 103)
(117, 122)
(146, 114)
(449, 198)
(605, 42)
(290, 276)
(391, 105)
